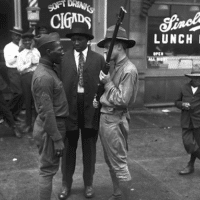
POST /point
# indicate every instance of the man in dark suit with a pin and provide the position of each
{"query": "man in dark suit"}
(189, 102)
(80, 76)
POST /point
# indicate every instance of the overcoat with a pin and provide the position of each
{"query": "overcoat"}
(185, 95)
(69, 76)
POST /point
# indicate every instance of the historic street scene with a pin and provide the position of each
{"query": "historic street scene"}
(99, 99)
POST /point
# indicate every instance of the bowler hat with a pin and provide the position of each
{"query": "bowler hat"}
(79, 28)
(47, 38)
(16, 31)
(195, 72)
(121, 35)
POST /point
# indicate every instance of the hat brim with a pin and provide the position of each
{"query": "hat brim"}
(16, 32)
(89, 36)
(130, 43)
(27, 35)
(192, 75)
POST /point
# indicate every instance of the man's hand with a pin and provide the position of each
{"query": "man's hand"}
(186, 106)
(95, 103)
(104, 78)
(59, 147)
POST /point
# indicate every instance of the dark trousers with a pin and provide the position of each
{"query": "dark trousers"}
(89, 139)
(26, 80)
(17, 101)
(5, 111)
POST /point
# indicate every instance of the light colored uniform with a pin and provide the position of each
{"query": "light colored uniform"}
(119, 94)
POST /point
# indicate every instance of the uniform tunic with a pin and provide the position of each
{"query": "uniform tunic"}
(52, 108)
(119, 94)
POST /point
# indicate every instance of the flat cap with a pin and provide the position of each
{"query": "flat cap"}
(47, 38)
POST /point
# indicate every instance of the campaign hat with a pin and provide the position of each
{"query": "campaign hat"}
(121, 35)
(79, 28)
(16, 31)
(47, 38)
(195, 71)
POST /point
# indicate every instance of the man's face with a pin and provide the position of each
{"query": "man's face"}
(114, 51)
(79, 42)
(56, 52)
(27, 42)
(16, 38)
(196, 81)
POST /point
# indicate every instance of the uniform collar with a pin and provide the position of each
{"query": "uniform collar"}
(121, 62)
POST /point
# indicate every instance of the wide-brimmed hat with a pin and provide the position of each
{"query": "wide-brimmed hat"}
(47, 38)
(121, 35)
(16, 31)
(195, 72)
(79, 28)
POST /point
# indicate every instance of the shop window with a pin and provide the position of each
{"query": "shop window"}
(173, 34)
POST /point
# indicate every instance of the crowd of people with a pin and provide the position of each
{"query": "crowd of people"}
(57, 90)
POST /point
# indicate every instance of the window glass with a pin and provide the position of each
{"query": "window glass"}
(173, 36)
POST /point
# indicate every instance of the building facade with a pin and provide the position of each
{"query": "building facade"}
(166, 34)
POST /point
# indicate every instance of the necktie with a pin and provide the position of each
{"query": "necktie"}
(80, 69)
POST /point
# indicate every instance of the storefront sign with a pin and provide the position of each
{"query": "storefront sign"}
(172, 24)
(173, 42)
(62, 14)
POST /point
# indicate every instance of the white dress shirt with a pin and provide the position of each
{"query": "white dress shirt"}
(76, 56)
(194, 89)
(11, 52)
(28, 60)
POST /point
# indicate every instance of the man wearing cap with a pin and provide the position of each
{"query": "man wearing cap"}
(188, 101)
(120, 94)
(80, 76)
(27, 62)
(52, 109)
(11, 52)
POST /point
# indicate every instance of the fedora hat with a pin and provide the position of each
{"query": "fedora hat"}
(195, 72)
(121, 35)
(16, 31)
(79, 28)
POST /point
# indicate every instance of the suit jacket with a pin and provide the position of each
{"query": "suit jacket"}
(193, 115)
(69, 76)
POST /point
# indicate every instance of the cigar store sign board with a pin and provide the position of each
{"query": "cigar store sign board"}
(60, 15)
(173, 36)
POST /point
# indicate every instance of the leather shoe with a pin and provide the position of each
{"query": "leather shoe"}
(65, 193)
(187, 170)
(89, 192)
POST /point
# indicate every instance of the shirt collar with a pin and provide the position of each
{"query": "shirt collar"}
(48, 64)
(121, 63)
(76, 53)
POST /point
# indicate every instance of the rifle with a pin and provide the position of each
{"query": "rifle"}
(106, 68)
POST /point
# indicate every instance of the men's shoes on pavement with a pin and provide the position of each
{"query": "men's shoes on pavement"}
(89, 191)
(187, 170)
(65, 193)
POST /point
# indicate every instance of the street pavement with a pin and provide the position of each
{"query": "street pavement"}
(156, 155)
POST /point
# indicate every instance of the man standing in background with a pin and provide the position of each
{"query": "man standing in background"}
(11, 52)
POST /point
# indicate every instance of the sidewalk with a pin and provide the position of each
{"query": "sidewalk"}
(156, 154)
